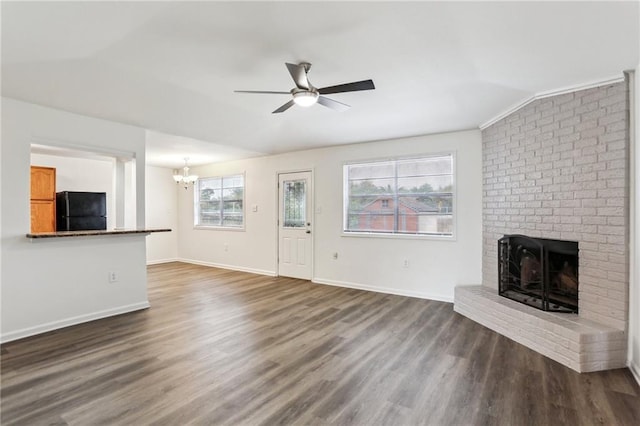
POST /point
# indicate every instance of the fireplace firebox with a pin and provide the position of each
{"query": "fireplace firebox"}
(539, 272)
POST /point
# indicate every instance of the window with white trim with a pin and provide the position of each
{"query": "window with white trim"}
(219, 202)
(413, 196)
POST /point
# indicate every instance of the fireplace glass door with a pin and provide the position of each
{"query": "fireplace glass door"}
(539, 272)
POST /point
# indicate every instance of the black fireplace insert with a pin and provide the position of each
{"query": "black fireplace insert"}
(539, 272)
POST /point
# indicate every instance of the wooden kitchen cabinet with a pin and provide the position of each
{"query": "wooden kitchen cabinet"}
(43, 216)
(43, 199)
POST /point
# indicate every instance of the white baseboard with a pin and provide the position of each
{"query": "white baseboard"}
(385, 290)
(635, 370)
(158, 262)
(230, 267)
(55, 325)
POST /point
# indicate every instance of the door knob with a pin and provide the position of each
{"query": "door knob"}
(308, 231)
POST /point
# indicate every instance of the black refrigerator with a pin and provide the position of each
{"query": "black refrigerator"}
(81, 211)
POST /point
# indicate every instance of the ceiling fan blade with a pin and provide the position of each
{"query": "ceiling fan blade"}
(284, 107)
(334, 105)
(348, 87)
(299, 75)
(262, 91)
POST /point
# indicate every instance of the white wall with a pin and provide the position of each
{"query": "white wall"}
(634, 293)
(161, 203)
(52, 283)
(82, 174)
(374, 263)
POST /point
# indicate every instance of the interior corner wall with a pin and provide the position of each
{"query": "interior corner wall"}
(634, 296)
(52, 283)
(372, 263)
(161, 202)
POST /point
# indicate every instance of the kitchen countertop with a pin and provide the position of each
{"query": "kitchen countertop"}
(62, 234)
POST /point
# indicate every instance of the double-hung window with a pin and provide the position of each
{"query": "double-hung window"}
(220, 202)
(412, 196)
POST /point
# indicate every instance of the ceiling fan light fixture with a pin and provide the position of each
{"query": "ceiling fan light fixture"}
(305, 98)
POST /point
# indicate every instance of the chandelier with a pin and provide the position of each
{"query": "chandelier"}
(184, 179)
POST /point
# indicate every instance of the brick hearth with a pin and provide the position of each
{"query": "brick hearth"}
(576, 342)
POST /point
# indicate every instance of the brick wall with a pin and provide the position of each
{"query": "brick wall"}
(559, 168)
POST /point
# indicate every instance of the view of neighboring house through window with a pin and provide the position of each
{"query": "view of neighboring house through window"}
(220, 201)
(402, 196)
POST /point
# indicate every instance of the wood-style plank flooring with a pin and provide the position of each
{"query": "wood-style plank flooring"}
(223, 347)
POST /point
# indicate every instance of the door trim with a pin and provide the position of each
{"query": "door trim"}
(311, 171)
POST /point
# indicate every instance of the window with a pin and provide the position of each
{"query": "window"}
(220, 202)
(294, 200)
(403, 196)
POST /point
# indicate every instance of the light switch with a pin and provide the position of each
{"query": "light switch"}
(254, 207)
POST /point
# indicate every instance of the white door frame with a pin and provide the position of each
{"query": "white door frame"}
(312, 213)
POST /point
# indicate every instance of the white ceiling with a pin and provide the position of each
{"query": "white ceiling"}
(171, 67)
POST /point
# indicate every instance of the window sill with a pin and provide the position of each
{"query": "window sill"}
(218, 228)
(448, 238)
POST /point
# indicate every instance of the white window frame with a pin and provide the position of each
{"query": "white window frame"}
(196, 204)
(393, 235)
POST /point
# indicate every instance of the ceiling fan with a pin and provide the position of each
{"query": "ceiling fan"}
(304, 94)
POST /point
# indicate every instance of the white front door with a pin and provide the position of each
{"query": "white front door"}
(295, 237)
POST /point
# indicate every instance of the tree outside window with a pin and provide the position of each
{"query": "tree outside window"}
(220, 201)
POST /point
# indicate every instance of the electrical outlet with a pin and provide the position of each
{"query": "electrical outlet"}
(226, 247)
(405, 264)
(113, 277)
(335, 256)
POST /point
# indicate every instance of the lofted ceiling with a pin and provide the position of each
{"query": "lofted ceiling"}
(172, 67)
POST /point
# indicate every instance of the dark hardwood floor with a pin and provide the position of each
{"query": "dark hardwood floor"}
(223, 347)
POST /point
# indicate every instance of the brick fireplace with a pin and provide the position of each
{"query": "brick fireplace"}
(558, 168)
